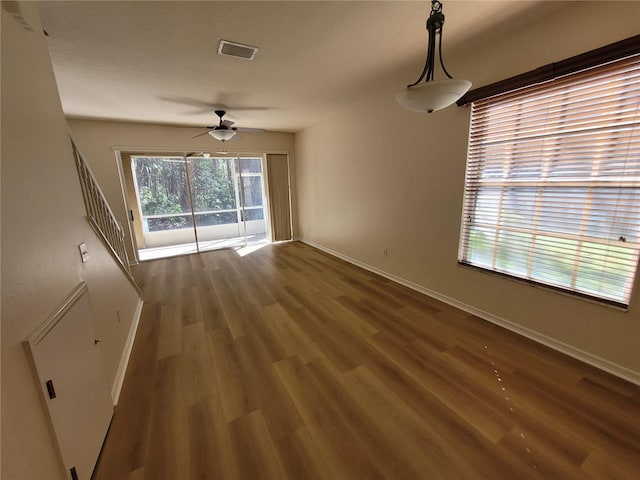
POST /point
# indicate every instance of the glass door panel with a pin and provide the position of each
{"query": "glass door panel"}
(164, 207)
(252, 192)
(215, 202)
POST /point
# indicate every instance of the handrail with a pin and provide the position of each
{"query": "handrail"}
(101, 217)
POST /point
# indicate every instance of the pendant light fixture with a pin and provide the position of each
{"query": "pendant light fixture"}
(433, 95)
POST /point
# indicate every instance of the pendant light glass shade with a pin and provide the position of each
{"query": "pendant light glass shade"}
(222, 134)
(434, 95)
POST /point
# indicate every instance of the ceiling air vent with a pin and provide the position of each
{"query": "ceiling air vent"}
(237, 50)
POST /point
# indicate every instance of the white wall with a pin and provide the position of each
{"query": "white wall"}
(375, 176)
(43, 221)
(97, 139)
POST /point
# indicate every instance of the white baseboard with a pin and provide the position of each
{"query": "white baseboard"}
(586, 357)
(126, 353)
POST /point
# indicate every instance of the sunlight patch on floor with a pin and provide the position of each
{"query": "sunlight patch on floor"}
(253, 243)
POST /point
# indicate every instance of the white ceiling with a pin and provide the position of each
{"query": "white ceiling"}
(156, 62)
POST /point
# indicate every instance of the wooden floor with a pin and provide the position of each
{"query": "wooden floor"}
(289, 363)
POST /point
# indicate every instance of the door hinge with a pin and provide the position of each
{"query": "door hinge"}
(50, 390)
(74, 474)
(131, 215)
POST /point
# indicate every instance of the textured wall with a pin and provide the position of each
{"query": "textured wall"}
(43, 221)
(376, 177)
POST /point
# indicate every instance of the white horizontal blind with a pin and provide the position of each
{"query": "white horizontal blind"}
(552, 190)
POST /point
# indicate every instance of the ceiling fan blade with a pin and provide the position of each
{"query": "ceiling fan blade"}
(227, 123)
(255, 130)
(236, 137)
(238, 108)
(200, 134)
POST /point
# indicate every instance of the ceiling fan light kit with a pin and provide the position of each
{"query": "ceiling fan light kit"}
(222, 134)
(433, 95)
(224, 130)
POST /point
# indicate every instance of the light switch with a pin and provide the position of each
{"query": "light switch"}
(84, 252)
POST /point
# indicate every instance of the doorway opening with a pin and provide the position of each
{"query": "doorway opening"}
(194, 203)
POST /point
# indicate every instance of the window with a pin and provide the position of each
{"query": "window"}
(552, 189)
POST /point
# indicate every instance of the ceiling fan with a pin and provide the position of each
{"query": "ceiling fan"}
(224, 130)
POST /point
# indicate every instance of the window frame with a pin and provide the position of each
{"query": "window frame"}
(505, 185)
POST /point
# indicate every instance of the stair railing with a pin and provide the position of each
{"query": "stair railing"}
(100, 215)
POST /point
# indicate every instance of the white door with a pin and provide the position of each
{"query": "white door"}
(70, 370)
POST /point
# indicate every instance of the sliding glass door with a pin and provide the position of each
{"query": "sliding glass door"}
(197, 203)
(228, 201)
(164, 207)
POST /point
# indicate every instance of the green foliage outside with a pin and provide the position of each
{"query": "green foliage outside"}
(557, 261)
(164, 190)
